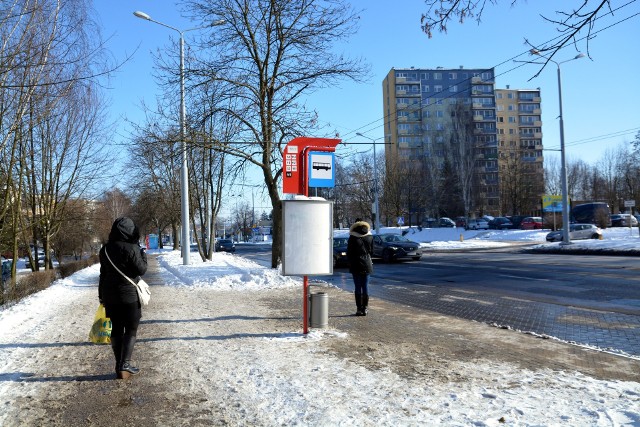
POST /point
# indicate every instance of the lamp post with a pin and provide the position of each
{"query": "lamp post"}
(566, 240)
(184, 173)
(376, 207)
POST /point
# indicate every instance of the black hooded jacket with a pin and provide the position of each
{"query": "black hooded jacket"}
(125, 253)
(360, 248)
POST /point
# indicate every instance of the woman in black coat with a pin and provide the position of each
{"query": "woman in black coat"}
(118, 295)
(359, 250)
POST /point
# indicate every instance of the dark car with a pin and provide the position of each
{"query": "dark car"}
(622, 220)
(516, 220)
(340, 252)
(500, 223)
(446, 222)
(225, 245)
(391, 247)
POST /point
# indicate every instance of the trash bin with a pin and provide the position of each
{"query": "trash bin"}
(319, 310)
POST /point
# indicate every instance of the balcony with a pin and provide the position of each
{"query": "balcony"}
(401, 92)
(478, 118)
(476, 80)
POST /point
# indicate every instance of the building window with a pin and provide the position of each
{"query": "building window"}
(424, 76)
(486, 76)
(512, 119)
(437, 88)
(439, 113)
(439, 126)
(437, 76)
(453, 88)
(439, 101)
(401, 74)
(453, 76)
(510, 95)
(511, 131)
(425, 88)
(511, 107)
(499, 95)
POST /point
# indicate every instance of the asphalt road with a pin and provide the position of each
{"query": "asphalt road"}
(586, 299)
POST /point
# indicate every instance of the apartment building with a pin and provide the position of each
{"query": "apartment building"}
(520, 160)
(450, 118)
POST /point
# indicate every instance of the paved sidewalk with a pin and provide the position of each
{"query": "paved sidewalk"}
(215, 357)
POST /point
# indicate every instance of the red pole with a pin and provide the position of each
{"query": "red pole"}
(305, 304)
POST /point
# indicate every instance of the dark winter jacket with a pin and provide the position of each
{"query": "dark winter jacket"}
(125, 253)
(360, 248)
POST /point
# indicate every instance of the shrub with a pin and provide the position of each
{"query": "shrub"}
(36, 281)
(27, 284)
(68, 269)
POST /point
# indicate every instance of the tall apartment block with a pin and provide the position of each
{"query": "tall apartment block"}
(520, 147)
(421, 129)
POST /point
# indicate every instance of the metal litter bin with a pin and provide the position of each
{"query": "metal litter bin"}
(319, 310)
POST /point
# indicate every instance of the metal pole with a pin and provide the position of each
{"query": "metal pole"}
(376, 206)
(565, 197)
(376, 225)
(184, 172)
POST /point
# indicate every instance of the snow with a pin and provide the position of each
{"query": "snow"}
(267, 376)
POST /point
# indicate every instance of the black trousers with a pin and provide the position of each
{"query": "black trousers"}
(125, 319)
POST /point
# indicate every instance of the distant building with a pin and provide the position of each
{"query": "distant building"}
(520, 160)
(449, 121)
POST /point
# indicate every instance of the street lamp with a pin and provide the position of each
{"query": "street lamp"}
(184, 173)
(563, 161)
(376, 206)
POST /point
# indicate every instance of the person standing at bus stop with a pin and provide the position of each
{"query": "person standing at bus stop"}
(359, 251)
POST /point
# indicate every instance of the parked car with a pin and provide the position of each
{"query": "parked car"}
(438, 223)
(477, 224)
(446, 222)
(225, 245)
(461, 221)
(391, 247)
(622, 220)
(576, 232)
(340, 251)
(531, 223)
(516, 220)
(592, 213)
(500, 223)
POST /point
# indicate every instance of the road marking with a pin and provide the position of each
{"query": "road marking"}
(523, 277)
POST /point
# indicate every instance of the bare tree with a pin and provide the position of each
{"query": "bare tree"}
(268, 56)
(463, 152)
(573, 26)
(52, 118)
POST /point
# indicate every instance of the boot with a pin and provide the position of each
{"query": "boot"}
(116, 346)
(126, 368)
(359, 311)
(365, 304)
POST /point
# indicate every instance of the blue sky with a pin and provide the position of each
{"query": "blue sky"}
(599, 94)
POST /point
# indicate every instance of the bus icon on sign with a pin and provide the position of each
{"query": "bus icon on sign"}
(321, 165)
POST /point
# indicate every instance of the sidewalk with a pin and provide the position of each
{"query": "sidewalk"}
(212, 357)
